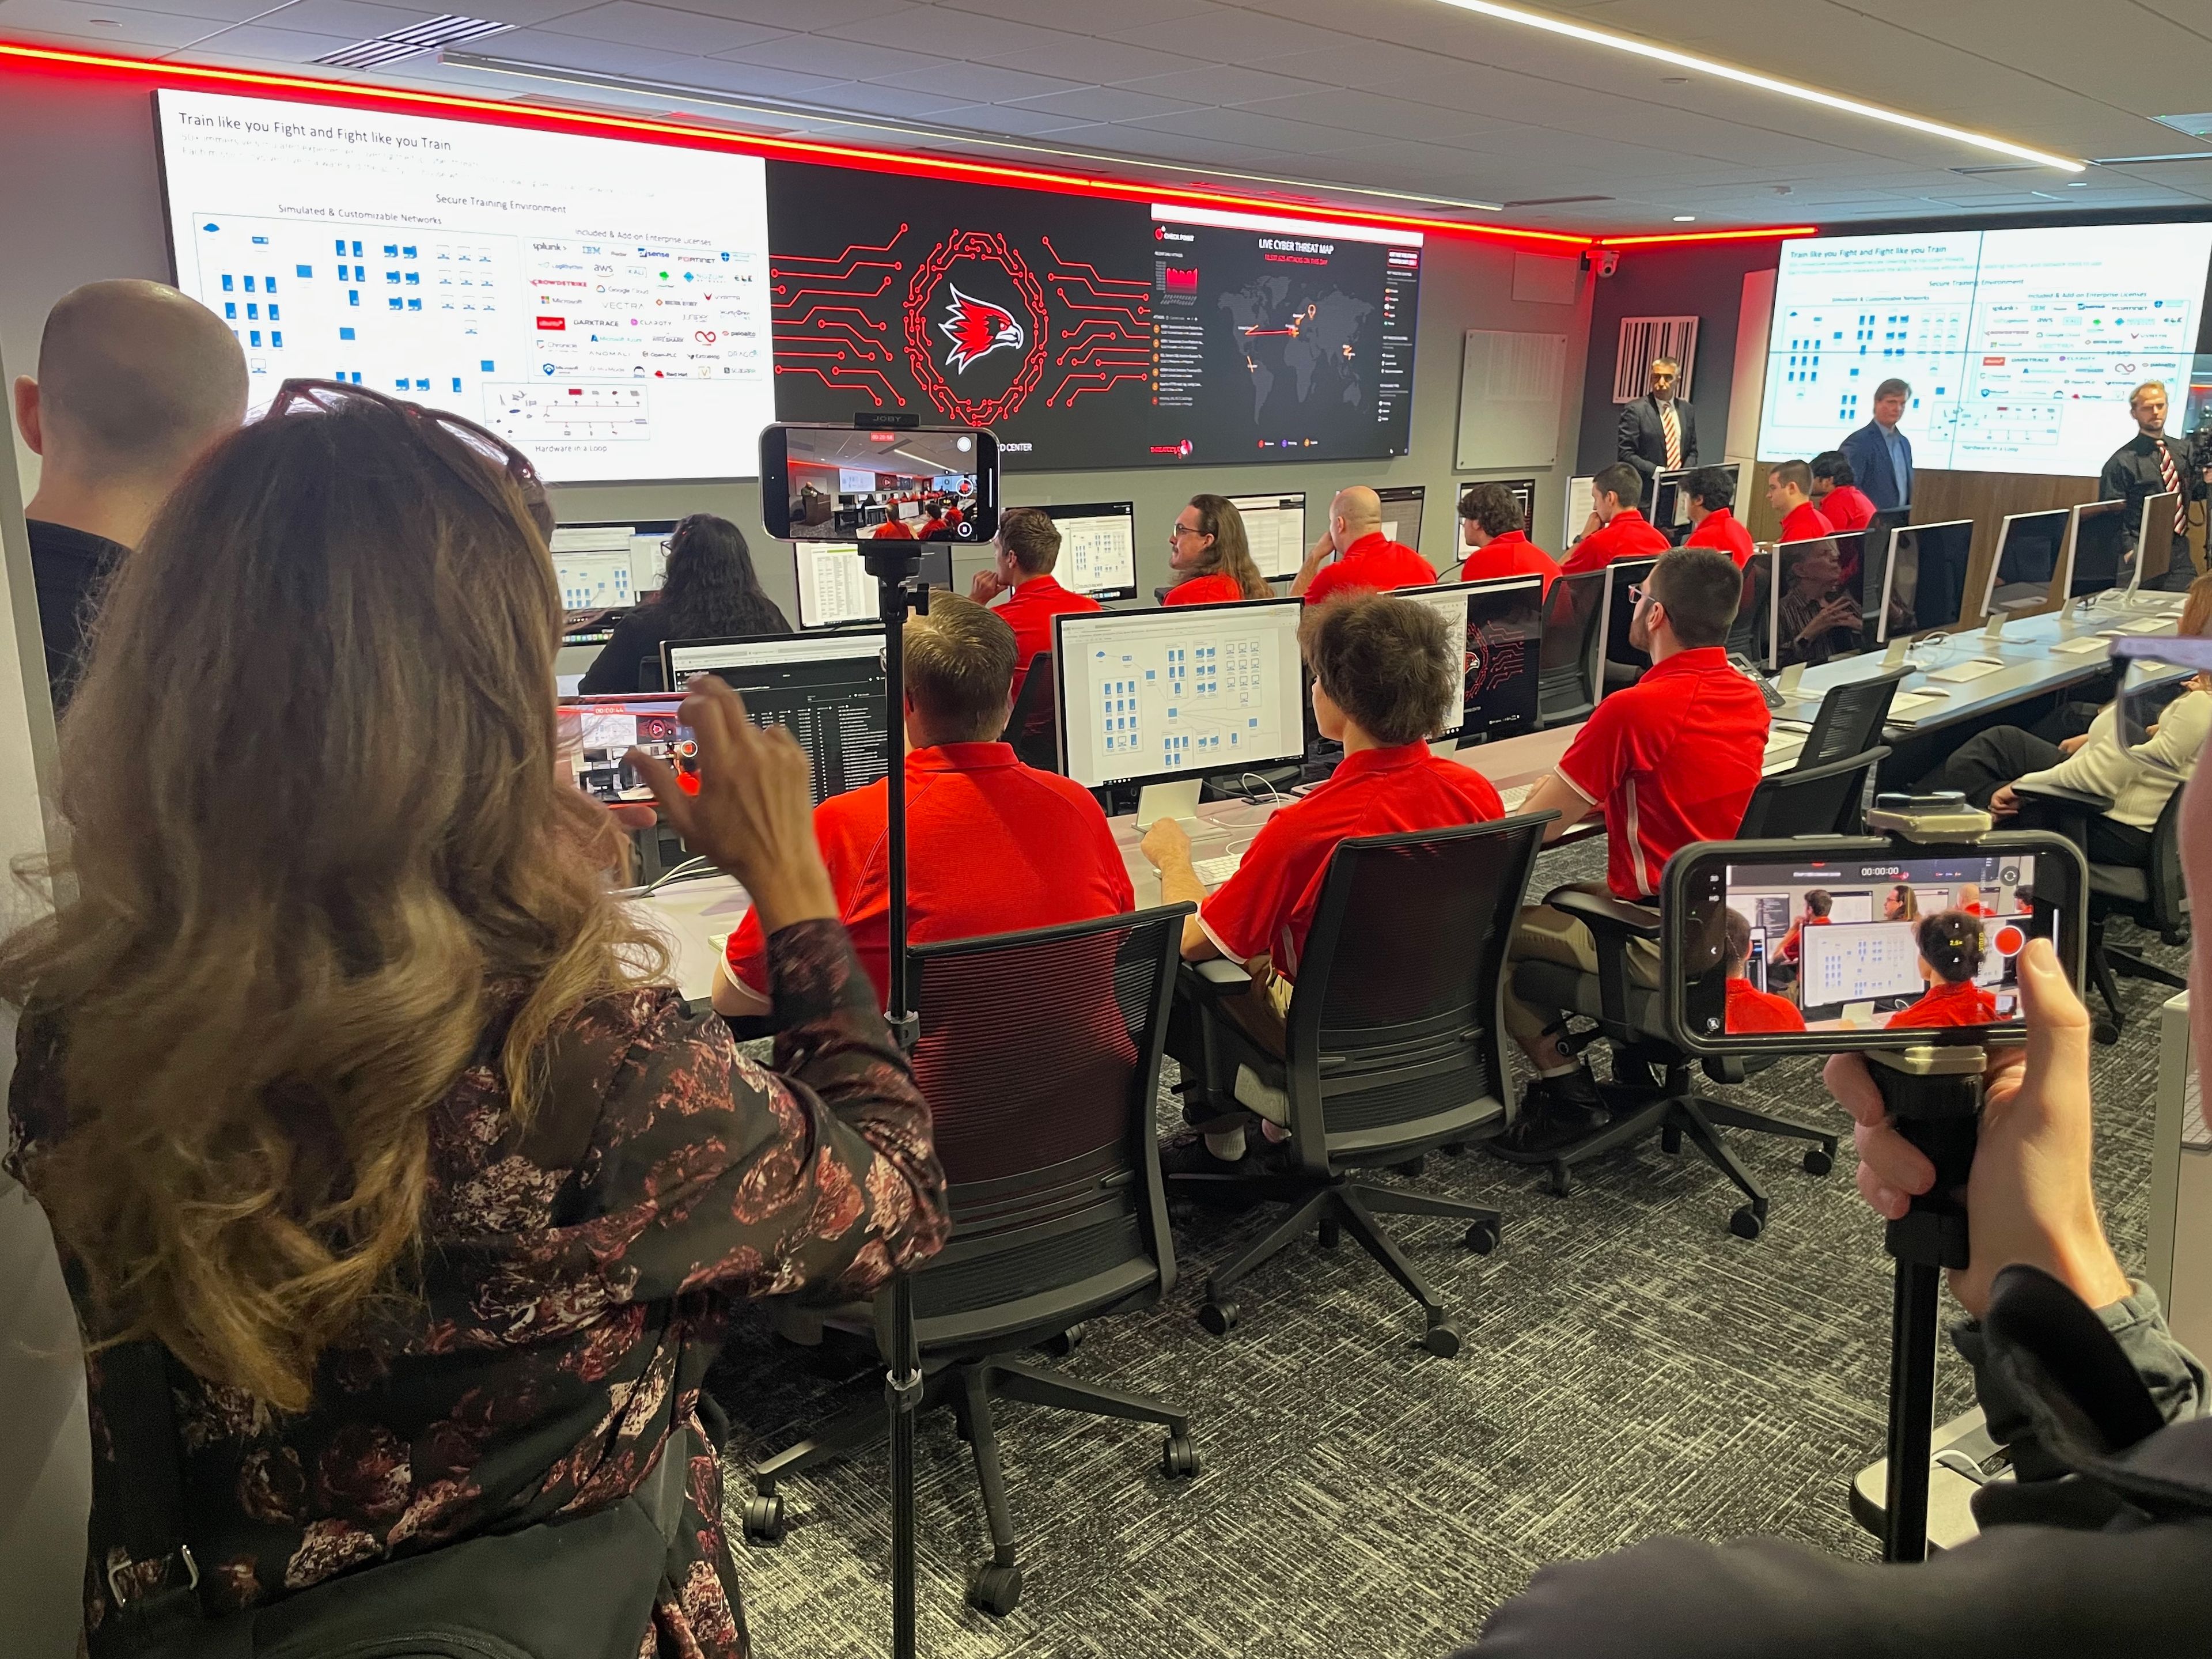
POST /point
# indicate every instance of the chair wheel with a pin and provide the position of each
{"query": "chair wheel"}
(1562, 1183)
(1670, 1139)
(995, 1590)
(764, 1521)
(1410, 1167)
(1066, 1343)
(1819, 1160)
(1332, 1234)
(1745, 1222)
(2106, 1032)
(1453, 1148)
(1442, 1339)
(1218, 1317)
(1179, 1457)
(1482, 1238)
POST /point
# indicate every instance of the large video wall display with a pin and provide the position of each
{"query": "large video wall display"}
(601, 304)
(1089, 332)
(2020, 346)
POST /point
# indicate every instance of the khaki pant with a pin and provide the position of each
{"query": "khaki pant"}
(1544, 934)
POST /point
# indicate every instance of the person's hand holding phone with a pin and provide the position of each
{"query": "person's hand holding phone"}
(2029, 1198)
(754, 814)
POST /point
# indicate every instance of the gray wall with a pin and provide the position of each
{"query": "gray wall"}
(80, 198)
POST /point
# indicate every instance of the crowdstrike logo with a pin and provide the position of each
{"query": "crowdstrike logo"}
(977, 328)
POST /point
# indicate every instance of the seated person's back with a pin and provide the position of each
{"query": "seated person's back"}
(1494, 527)
(1365, 557)
(1028, 551)
(994, 846)
(1747, 1007)
(1952, 944)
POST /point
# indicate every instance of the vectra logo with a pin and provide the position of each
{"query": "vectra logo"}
(977, 328)
(1003, 344)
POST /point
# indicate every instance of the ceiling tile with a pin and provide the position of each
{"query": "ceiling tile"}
(354, 20)
(73, 22)
(1102, 61)
(540, 46)
(952, 33)
(663, 27)
(799, 14)
(1231, 126)
(847, 60)
(762, 80)
(971, 84)
(1380, 117)
(1103, 103)
(1227, 34)
(1010, 121)
(1222, 83)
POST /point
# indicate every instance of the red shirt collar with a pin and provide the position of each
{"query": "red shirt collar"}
(1373, 541)
(1626, 515)
(1361, 762)
(1699, 660)
(1944, 992)
(1722, 513)
(961, 757)
(1510, 537)
(1043, 577)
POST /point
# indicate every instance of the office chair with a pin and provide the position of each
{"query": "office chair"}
(1566, 679)
(1045, 1127)
(1033, 728)
(1623, 663)
(2152, 896)
(1850, 720)
(1393, 1045)
(1651, 1086)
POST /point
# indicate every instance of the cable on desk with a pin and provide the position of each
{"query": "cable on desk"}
(1273, 797)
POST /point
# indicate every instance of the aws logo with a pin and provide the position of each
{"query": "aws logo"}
(994, 346)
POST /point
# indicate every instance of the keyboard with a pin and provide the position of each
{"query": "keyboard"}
(1214, 872)
(1960, 672)
(1905, 704)
(1518, 796)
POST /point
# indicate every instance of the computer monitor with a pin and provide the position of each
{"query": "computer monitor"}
(1670, 502)
(1449, 600)
(827, 689)
(1275, 531)
(1924, 584)
(1402, 513)
(1751, 636)
(1097, 549)
(596, 733)
(611, 565)
(834, 587)
(1800, 589)
(1504, 651)
(2030, 546)
(2158, 512)
(2098, 538)
(1146, 695)
(1620, 662)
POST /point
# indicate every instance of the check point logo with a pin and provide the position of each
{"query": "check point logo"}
(978, 329)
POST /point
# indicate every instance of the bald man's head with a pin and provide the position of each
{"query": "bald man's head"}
(135, 379)
(1356, 512)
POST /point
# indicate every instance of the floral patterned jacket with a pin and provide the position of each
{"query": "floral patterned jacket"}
(576, 1279)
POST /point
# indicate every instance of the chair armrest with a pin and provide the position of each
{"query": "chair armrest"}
(1213, 979)
(2080, 799)
(1604, 915)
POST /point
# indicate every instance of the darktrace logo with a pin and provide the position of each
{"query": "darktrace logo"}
(977, 328)
(976, 301)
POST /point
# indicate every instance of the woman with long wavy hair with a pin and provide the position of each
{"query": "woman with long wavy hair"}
(347, 1083)
(711, 591)
(1208, 550)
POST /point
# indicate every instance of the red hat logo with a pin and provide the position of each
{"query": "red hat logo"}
(977, 328)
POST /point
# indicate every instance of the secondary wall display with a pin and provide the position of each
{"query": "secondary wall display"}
(2020, 346)
(1089, 332)
(601, 304)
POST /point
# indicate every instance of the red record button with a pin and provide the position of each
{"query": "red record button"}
(2010, 941)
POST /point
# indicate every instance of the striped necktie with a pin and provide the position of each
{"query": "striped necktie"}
(2170, 479)
(1673, 428)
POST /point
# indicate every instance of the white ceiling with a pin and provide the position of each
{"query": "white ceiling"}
(1397, 96)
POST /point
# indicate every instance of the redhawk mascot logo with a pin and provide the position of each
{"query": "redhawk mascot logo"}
(977, 328)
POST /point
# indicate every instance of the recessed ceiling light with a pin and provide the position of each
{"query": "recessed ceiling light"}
(104, 23)
(1549, 25)
(1685, 218)
(2077, 183)
(1674, 80)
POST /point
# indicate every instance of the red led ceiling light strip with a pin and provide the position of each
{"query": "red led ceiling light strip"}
(546, 117)
(1662, 238)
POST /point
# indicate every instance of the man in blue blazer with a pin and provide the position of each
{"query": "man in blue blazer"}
(1879, 454)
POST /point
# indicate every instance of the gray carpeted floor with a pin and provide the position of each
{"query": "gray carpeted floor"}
(1630, 1369)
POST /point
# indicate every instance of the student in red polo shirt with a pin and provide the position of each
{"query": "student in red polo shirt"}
(1951, 950)
(1837, 494)
(1365, 556)
(1028, 548)
(1616, 530)
(1748, 1008)
(1710, 491)
(1789, 493)
(993, 845)
(1671, 760)
(1208, 549)
(1384, 670)
(1493, 523)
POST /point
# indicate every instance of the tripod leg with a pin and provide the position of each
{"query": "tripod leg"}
(1911, 1412)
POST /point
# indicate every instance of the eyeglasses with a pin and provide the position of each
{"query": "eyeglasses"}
(1177, 530)
(328, 397)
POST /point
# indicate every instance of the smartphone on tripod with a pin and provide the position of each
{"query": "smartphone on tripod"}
(859, 483)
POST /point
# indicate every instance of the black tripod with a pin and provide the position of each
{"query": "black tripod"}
(896, 566)
(1935, 1095)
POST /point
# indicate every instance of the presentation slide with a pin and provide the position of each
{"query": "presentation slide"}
(601, 304)
(2020, 346)
(1088, 332)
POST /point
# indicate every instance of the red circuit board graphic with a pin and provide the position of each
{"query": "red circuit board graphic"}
(868, 320)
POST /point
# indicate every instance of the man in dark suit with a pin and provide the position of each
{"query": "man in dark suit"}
(1658, 431)
(1879, 454)
(2148, 465)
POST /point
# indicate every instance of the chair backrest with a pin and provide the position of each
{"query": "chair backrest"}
(648, 673)
(1566, 662)
(1811, 800)
(1850, 720)
(2169, 897)
(1043, 1119)
(1396, 1030)
(1033, 728)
